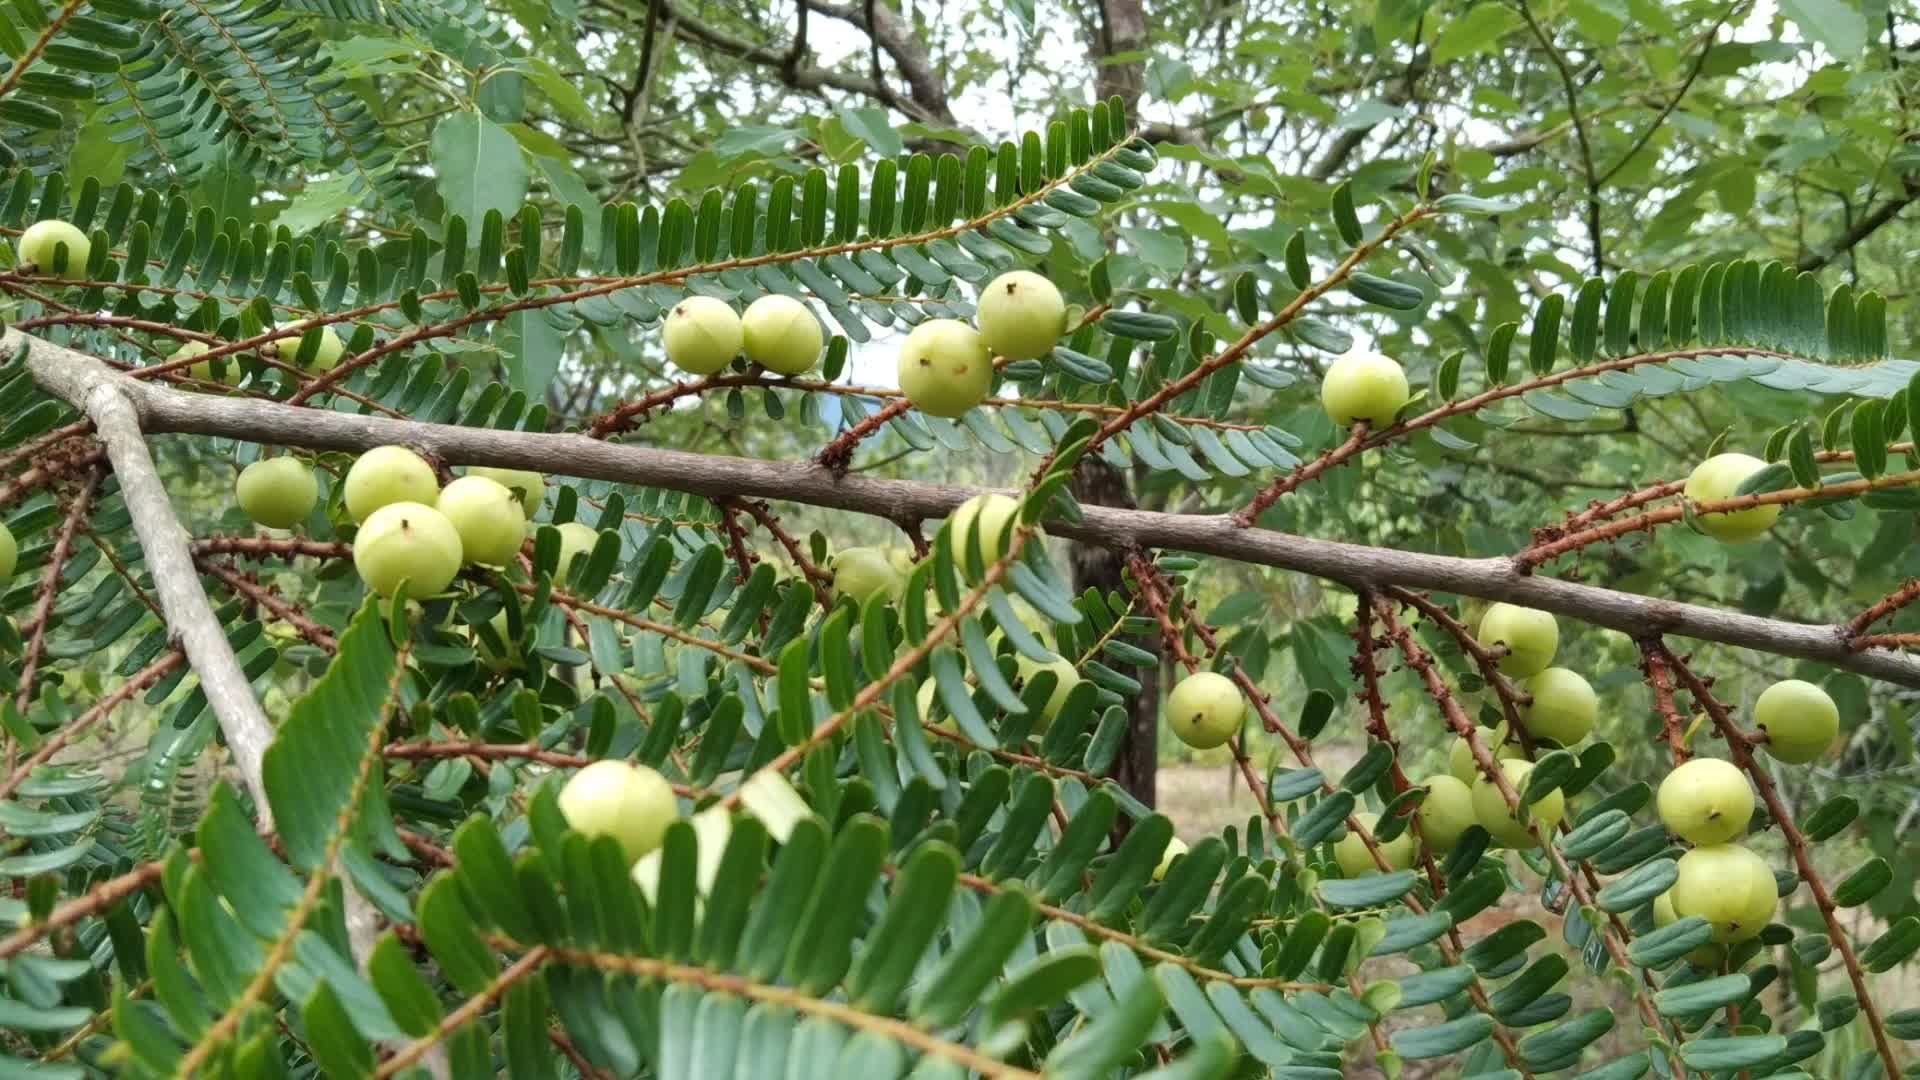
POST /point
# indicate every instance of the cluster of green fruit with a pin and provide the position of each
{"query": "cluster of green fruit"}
(411, 530)
(326, 356)
(946, 366)
(1708, 803)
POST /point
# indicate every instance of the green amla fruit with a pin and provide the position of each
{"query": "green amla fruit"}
(410, 542)
(1531, 638)
(1175, 848)
(1065, 679)
(945, 368)
(1356, 861)
(1718, 478)
(40, 246)
(527, 486)
(1460, 761)
(324, 359)
(702, 335)
(987, 519)
(631, 803)
(1205, 709)
(1708, 956)
(860, 572)
(1501, 821)
(203, 370)
(1446, 813)
(780, 334)
(577, 541)
(1363, 385)
(1730, 887)
(1021, 315)
(9, 553)
(1706, 801)
(1563, 709)
(488, 518)
(385, 475)
(1800, 720)
(277, 492)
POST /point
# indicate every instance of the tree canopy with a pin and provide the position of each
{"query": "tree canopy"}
(669, 538)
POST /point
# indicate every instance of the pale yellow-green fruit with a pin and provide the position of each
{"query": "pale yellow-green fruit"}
(1362, 385)
(1446, 813)
(1021, 315)
(1531, 638)
(1706, 956)
(577, 541)
(1065, 679)
(1718, 478)
(1799, 718)
(902, 560)
(410, 542)
(288, 348)
(988, 518)
(860, 572)
(230, 365)
(1490, 808)
(386, 475)
(1564, 706)
(527, 486)
(631, 803)
(1706, 801)
(1730, 887)
(1205, 709)
(702, 335)
(1356, 861)
(488, 518)
(278, 492)
(9, 553)
(945, 368)
(1460, 761)
(1176, 847)
(781, 335)
(495, 660)
(40, 246)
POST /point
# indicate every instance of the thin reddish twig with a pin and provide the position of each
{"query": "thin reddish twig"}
(265, 596)
(1356, 440)
(1673, 726)
(42, 616)
(135, 683)
(1907, 593)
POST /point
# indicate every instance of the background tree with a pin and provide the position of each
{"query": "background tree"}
(723, 755)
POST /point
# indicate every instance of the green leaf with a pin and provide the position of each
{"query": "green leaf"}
(326, 757)
(1835, 24)
(1442, 1040)
(478, 166)
(1703, 997)
(1731, 1053)
(954, 986)
(1370, 891)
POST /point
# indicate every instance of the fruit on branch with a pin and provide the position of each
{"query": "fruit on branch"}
(1205, 709)
(1728, 886)
(1362, 385)
(631, 803)
(860, 572)
(278, 492)
(496, 660)
(987, 519)
(945, 368)
(1709, 956)
(407, 542)
(1799, 718)
(1065, 679)
(702, 335)
(1531, 638)
(1717, 478)
(1021, 315)
(1176, 847)
(1446, 813)
(40, 246)
(781, 334)
(229, 366)
(386, 475)
(527, 486)
(9, 553)
(1564, 706)
(488, 518)
(1706, 801)
(1502, 822)
(1460, 758)
(577, 540)
(1356, 861)
(288, 348)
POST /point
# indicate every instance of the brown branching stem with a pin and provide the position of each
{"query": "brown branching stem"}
(42, 617)
(1907, 593)
(79, 725)
(1739, 748)
(1673, 726)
